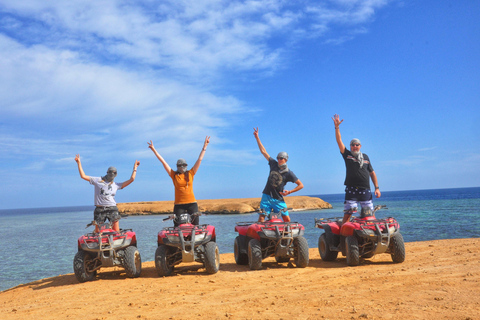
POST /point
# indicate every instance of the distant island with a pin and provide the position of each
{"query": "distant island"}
(221, 206)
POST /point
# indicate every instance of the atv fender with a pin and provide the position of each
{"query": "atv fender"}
(211, 233)
(333, 227)
(347, 229)
(253, 231)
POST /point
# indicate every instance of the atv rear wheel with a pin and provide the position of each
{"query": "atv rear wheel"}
(240, 258)
(353, 255)
(80, 266)
(161, 261)
(254, 254)
(397, 248)
(300, 246)
(132, 262)
(324, 249)
(212, 257)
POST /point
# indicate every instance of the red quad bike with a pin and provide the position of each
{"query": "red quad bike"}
(274, 237)
(361, 237)
(107, 248)
(186, 243)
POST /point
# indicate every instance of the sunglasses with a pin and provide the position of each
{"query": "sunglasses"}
(110, 171)
(281, 158)
(355, 145)
(182, 165)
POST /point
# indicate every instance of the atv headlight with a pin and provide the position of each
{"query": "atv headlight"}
(200, 237)
(269, 233)
(173, 239)
(295, 232)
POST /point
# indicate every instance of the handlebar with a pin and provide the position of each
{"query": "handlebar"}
(172, 216)
(101, 227)
(106, 224)
(380, 206)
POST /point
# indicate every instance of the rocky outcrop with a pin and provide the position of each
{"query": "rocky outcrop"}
(221, 206)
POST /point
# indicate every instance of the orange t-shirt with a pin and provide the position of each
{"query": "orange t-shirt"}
(183, 188)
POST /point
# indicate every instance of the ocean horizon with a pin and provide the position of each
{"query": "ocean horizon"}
(41, 242)
(326, 195)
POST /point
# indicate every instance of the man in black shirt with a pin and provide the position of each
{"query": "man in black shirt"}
(359, 170)
(280, 174)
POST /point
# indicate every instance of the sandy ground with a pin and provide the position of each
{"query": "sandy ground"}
(439, 280)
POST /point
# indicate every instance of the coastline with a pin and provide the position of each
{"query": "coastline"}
(221, 206)
(438, 280)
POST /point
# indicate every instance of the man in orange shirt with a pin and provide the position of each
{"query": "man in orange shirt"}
(183, 181)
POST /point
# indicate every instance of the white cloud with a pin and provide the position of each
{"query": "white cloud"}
(194, 37)
(97, 71)
(51, 89)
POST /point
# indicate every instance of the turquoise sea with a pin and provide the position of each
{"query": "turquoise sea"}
(41, 243)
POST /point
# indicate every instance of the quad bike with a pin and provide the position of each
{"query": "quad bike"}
(361, 237)
(186, 243)
(274, 237)
(107, 248)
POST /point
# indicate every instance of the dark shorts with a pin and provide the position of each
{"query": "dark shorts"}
(101, 214)
(190, 208)
(357, 194)
(353, 196)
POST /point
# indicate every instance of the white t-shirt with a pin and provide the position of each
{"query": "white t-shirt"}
(105, 191)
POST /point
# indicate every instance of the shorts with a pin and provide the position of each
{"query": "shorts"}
(190, 208)
(268, 203)
(355, 195)
(101, 214)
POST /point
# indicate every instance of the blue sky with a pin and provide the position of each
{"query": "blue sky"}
(101, 78)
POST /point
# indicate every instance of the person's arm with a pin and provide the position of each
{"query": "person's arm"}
(338, 136)
(134, 173)
(375, 184)
(165, 164)
(297, 188)
(200, 156)
(260, 145)
(80, 169)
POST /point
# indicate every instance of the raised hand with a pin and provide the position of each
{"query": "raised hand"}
(255, 132)
(336, 120)
(150, 145)
(207, 141)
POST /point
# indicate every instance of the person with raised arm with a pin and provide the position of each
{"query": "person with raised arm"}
(183, 182)
(359, 171)
(105, 191)
(280, 174)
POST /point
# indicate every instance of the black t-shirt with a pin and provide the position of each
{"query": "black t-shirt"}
(276, 180)
(355, 176)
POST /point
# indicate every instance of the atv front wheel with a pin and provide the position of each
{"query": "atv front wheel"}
(353, 255)
(300, 245)
(81, 264)
(324, 249)
(212, 257)
(240, 258)
(161, 261)
(397, 248)
(254, 254)
(132, 262)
